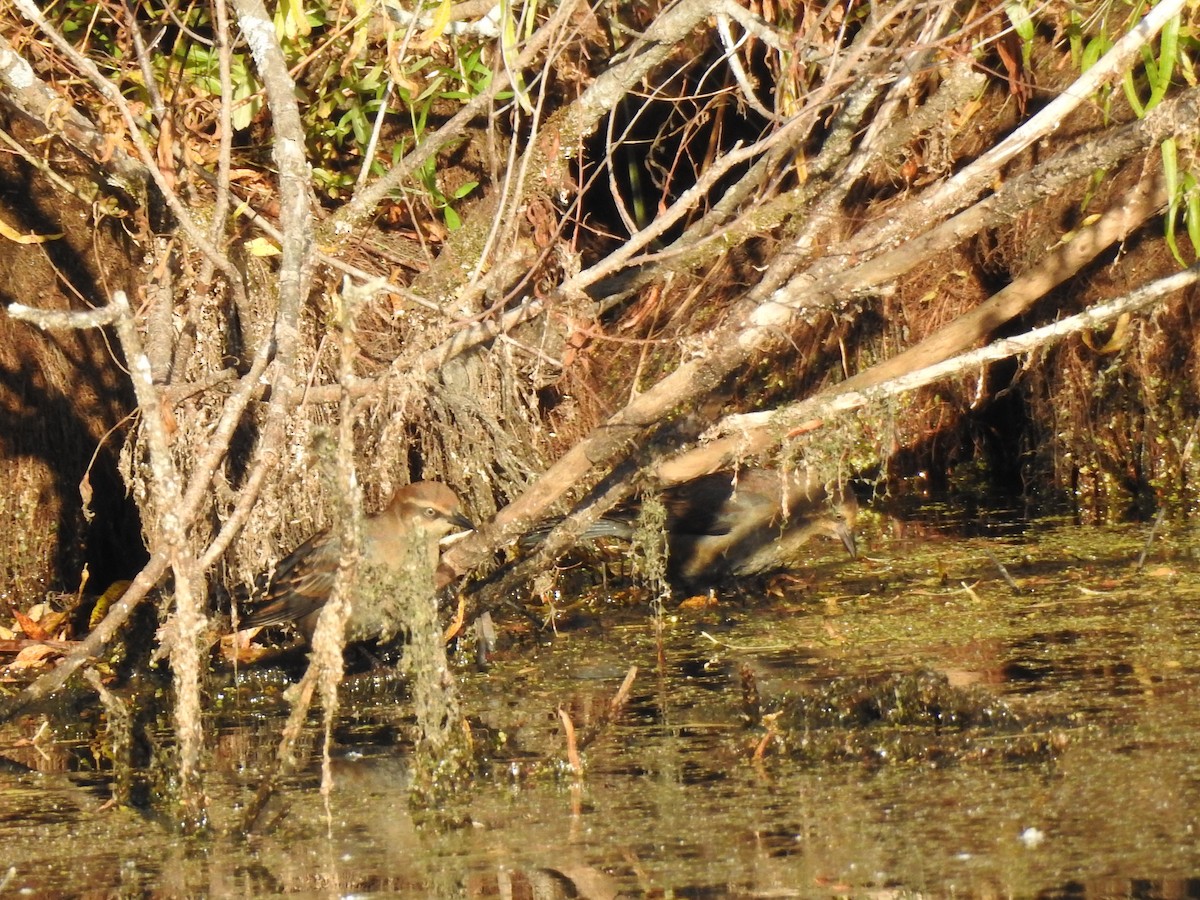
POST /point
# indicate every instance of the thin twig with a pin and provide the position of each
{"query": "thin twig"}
(1009, 580)
(573, 759)
(610, 713)
(1188, 447)
(109, 90)
(1158, 520)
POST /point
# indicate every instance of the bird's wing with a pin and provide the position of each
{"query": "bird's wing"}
(701, 508)
(301, 583)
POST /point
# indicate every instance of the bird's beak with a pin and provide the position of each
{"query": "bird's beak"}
(462, 525)
(458, 520)
(844, 532)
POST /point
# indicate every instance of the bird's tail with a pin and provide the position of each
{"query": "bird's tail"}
(607, 526)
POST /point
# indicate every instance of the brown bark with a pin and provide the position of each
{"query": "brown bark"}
(1146, 199)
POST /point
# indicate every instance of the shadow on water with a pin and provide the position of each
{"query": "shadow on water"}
(906, 724)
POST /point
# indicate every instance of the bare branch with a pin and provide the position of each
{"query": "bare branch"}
(953, 193)
(42, 105)
(737, 437)
(760, 322)
(1036, 339)
(48, 319)
(113, 95)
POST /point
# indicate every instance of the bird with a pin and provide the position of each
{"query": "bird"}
(402, 541)
(733, 524)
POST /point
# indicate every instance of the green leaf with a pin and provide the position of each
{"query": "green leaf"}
(1075, 38)
(1130, 89)
(1093, 50)
(1022, 24)
(1167, 59)
(508, 53)
(244, 109)
(1192, 213)
(1170, 160)
(360, 123)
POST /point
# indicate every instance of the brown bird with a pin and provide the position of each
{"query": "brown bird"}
(401, 540)
(736, 524)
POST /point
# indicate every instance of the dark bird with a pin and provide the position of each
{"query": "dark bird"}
(736, 524)
(402, 541)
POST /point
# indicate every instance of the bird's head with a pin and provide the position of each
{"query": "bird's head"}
(826, 506)
(839, 522)
(430, 507)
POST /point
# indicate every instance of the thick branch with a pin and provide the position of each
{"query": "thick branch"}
(1088, 320)
(40, 104)
(760, 322)
(739, 440)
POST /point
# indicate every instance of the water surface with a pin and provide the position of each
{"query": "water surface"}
(929, 731)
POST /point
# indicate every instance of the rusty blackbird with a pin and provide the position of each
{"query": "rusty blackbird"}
(734, 524)
(402, 540)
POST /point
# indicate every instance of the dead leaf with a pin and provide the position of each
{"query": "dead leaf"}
(33, 657)
(700, 601)
(30, 627)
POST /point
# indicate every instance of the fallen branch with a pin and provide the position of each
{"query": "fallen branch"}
(785, 418)
(1064, 261)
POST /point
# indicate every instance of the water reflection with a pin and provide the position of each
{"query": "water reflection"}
(928, 739)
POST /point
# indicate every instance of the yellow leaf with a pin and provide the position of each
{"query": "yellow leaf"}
(114, 592)
(17, 238)
(1118, 339)
(441, 18)
(260, 246)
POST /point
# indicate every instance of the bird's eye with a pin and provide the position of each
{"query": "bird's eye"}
(430, 512)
